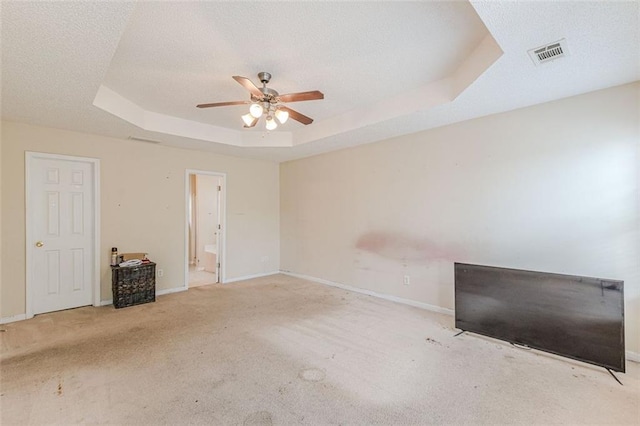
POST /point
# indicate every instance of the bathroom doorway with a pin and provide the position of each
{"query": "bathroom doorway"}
(204, 227)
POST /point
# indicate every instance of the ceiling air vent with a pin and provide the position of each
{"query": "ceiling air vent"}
(549, 52)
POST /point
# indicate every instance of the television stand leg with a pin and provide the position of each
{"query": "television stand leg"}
(614, 376)
(456, 335)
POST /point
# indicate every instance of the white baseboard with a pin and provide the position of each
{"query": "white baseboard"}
(106, 302)
(170, 290)
(249, 277)
(632, 356)
(20, 317)
(389, 297)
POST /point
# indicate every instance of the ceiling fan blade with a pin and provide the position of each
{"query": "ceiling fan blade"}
(248, 84)
(219, 104)
(297, 116)
(253, 123)
(301, 96)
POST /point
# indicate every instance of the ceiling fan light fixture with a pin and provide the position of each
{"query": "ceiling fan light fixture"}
(270, 123)
(248, 119)
(256, 110)
(282, 116)
(266, 102)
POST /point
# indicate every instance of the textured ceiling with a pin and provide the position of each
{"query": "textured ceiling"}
(166, 57)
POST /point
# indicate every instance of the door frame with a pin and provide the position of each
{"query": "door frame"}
(222, 217)
(29, 158)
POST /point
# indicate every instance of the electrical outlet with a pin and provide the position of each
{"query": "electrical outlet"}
(160, 272)
(407, 280)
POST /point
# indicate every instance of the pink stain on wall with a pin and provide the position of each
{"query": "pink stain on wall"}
(403, 247)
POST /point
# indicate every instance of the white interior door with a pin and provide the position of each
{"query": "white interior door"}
(61, 234)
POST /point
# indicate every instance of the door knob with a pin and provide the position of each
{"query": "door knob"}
(39, 244)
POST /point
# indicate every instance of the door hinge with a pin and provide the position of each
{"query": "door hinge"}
(218, 265)
(219, 188)
(219, 227)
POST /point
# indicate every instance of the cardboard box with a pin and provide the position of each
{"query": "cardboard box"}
(129, 256)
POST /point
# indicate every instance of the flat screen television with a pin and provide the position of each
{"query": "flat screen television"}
(577, 317)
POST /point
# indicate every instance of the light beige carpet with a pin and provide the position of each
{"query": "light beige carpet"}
(280, 350)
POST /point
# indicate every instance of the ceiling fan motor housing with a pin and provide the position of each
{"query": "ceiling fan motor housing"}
(269, 94)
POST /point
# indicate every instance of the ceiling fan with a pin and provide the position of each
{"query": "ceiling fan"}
(267, 101)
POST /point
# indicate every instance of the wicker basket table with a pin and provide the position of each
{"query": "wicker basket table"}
(133, 285)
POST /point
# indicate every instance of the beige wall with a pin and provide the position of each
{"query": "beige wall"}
(552, 187)
(1, 236)
(142, 205)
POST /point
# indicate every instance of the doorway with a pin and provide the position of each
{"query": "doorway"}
(62, 232)
(204, 228)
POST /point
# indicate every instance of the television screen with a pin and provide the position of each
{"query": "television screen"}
(576, 317)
